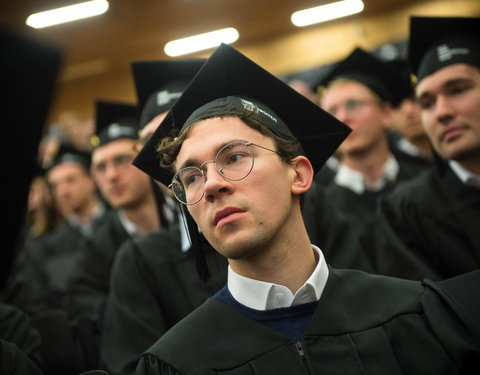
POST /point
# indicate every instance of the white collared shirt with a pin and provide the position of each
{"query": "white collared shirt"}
(356, 182)
(467, 177)
(261, 295)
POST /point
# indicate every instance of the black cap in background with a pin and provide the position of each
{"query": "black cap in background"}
(160, 83)
(68, 154)
(228, 73)
(28, 74)
(404, 83)
(114, 120)
(436, 42)
(363, 67)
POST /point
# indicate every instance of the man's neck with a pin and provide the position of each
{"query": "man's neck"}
(87, 212)
(289, 261)
(369, 163)
(472, 164)
(423, 144)
(144, 216)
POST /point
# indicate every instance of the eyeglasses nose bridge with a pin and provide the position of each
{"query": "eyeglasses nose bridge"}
(203, 169)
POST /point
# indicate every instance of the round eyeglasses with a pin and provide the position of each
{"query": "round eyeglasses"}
(234, 162)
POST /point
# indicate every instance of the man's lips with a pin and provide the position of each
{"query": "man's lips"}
(451, 133)
(117, 190)
(226, 215)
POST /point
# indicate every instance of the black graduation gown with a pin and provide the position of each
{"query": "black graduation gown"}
(90, 279)
(16, 328)
(153, 286)
(429, 227)
(363, 324)
(416, 164)
(15, 362)
(328, 228)
(359, 209)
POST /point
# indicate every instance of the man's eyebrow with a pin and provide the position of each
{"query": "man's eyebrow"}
(446, 85)
(192, 162)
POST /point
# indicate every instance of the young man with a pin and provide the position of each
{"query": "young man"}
(408, 136)
(75, 193)
(359, 91)
(133, 197)
(429, 227)
(235, 157)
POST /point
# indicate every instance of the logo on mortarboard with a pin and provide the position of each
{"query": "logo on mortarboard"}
(165, 96)
(116, 130)
(252, 107)
(446, 53)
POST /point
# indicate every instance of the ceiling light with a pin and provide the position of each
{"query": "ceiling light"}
(327, 12)
(67, 14)
(200, 42)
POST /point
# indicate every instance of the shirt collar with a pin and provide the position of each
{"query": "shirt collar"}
(409, 148)
(355, 181)
(261, 295)
(87, 228)
(128, 225)
(467, 177)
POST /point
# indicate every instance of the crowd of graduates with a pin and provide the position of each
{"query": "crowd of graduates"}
(104, 262)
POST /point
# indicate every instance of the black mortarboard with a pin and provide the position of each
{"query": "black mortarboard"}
(228, 73)
(159, 84)
(67, 154)
(404, 80)
(363, 67)
(436, 42)
(28, 74)
(114, 121)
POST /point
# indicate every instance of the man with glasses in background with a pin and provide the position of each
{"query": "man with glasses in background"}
(360, 92)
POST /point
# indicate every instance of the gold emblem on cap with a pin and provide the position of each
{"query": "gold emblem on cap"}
(413, 80)
(94, 140)
(321, 90)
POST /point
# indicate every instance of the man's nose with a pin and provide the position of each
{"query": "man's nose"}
(215, 183)
(444, 110)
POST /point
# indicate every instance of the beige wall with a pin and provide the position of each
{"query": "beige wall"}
(308, 48)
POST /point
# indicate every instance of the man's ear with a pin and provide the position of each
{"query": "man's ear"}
(303, 175)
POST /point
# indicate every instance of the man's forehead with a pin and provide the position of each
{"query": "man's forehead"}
(347, 89)
(445, 76)
(65, 168)
(113, 148)
(208, 136)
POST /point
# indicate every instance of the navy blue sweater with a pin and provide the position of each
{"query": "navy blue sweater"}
(289, 321)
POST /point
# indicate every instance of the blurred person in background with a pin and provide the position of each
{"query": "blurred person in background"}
(428, 227)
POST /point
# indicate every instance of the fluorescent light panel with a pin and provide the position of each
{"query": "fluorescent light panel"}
(201, 42)
(67, 14)
(327, 12)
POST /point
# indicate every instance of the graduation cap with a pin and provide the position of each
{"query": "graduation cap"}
(159, 84)
(404, 80)
(233, 80)
(436, 42)
(67, 154)
(114, 121)
(363, 67)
